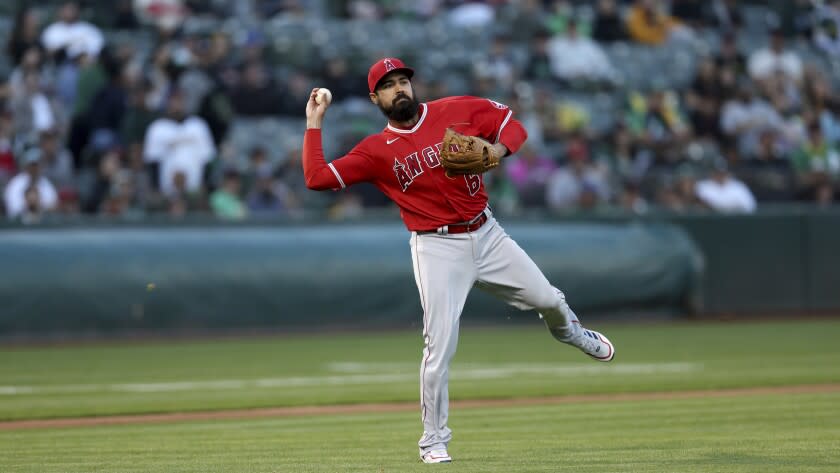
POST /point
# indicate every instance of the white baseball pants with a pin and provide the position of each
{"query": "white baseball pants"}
(446, 267)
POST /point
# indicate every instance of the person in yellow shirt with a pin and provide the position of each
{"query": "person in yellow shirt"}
(649, 24)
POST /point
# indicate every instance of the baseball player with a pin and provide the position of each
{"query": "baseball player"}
(429, 160)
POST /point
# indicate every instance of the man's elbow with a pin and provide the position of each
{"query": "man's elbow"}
(312, 183)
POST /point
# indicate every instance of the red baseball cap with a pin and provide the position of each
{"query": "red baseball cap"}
(385, 66)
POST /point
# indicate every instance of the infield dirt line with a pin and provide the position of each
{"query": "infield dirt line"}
(258, 413)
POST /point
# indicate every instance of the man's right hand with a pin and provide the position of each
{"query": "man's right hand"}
(315, 111)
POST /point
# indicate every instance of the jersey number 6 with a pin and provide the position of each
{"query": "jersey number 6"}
(473, 182)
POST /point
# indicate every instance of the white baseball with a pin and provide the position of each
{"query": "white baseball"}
(323, 96)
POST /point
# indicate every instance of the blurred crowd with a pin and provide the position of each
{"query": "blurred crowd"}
(90, 125)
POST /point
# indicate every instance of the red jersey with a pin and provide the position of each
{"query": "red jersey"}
(404, 163)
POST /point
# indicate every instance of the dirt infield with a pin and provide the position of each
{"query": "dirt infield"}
(405, 407)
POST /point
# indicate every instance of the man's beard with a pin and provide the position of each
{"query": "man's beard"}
(401, 110)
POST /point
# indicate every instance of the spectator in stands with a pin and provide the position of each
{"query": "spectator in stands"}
(558, 14)
(658, 124)
(724, 193)
(524, 19)
(33, 211)
(25, 34)
(529, 172)
(729, 57)
(498, 63)
(8, 164)
(33, 112)
(626, 161)
(107, 167)
(472, 14)
(816, 162)
(226, 202)
(702, 101)
(744, 116)
(580, 184)
(290, 173)
(765, 62)
(609, 27)
(182, 201)
(783, 93)
(823, 104)
(78, 82)
(167, 65)
(337, 77)
(56, 160)
(677, 193)
(538, 68)
(270, 196)
(137, 116)
(631, 199)
(295, 84)
(120, 17)
(110, 101)
(576, 59)
(768, 173)
(649, 24)
(796, 17)
(256, 95)
(32, 61)
(15, 194)
(826, 33)
(524, 108)
(122, 199)
(165, 15)
(71, 35)
(362, 10)
(176, 143)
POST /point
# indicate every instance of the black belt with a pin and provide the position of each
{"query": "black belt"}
(463, 227)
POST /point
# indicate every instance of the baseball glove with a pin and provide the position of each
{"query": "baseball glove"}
(462, 154)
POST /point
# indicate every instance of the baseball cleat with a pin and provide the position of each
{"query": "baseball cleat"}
(436, 456)
(593, 343)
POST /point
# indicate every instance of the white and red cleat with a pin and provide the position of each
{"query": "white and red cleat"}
(436, 456)
(593, 343)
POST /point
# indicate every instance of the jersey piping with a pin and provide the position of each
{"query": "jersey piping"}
(502, 127)
(337, 175)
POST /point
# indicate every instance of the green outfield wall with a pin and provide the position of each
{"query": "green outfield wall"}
(776, 262)
(67, 280)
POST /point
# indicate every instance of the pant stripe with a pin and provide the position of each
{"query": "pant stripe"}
(425, 331)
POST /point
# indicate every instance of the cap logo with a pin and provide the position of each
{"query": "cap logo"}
(389, 66)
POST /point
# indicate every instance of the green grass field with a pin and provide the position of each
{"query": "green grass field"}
(767, 432)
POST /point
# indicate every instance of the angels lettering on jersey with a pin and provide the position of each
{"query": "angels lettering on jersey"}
(412, 166)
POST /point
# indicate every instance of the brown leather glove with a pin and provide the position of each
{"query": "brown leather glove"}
(462, 154)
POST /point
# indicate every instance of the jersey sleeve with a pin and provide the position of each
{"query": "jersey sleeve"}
(356, 166)
(498, 124)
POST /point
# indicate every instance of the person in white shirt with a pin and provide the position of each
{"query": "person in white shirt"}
(745, 116)
(575, 57)
(70, 34)
(724, 193)
(15, 194)
(179, 143)
(766, 62)
(32, 110)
